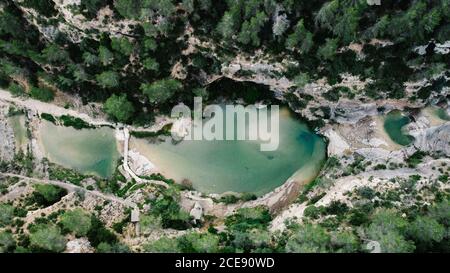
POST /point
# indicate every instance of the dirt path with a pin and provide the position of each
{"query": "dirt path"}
(43, 107)
(72, 188)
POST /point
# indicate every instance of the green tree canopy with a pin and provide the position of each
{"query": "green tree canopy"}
(118, 107)
(150, 64)
(149, 223)
(328, 50)
(48, 194)
(426, 231)
(163, 245)
(199, 243)
(42, 94)
(77, 221)
(7, 241)
(122, 45)
(105, 55)
(301, 39)
(55, 54)
(309, 239)
(47, 238)
(344, 241)
(112, 248)
(129, 8)
(387, 228)
(162, 90)
(250, 29)
(108, 79)
(6, 214)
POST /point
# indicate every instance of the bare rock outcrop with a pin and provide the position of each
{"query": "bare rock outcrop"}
(434, 139)
(7, 143)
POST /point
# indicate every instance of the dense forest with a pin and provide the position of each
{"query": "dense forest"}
(131, 72)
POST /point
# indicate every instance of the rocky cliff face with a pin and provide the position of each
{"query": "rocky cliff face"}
(435, 140)
(7, 143)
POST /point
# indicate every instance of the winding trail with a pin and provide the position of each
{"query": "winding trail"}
(43, 107)
(49, 108)
(72, 188)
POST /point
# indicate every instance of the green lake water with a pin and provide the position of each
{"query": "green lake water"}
(20, 132)
(90, 151)
(442, 114)
(239, 166)
(393, 124)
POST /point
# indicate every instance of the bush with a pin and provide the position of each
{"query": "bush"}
(336, 208)
(162, 90)
(380, 167)
(76, 221)
(366, 192)
(358, 217)
(99, 233)
(42, 94)
(425, 231)
(249, 218)
(168, 208)
(6, 214)
(246, 196)
(47, 195)
(114, 248)
(16, 90)
(163, 245)
(415, 159)
(47, 238)
(74, 122)
(309, 239)
(48, 117)
(312, 212)
(144, 134)
(229, 199)
(119, 107)
(7, 242)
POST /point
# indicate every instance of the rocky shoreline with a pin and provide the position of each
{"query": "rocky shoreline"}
(355, 129)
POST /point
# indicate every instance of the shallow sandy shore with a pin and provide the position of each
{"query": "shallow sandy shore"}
(429, 114)
(381, 133)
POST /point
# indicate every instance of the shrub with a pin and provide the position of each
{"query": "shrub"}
(229, 199)
(47, 238)
(309, 239)
(42, 94)
(48, 117)
(249, 218)
(47, 195)
(119, 107)
(415, 159)
(6, 214)
(7, 242)
(76, 221)
(366, 192)
(312, 212)
(163, 245)
(99, 233)
(16, 90)
(74, 122)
